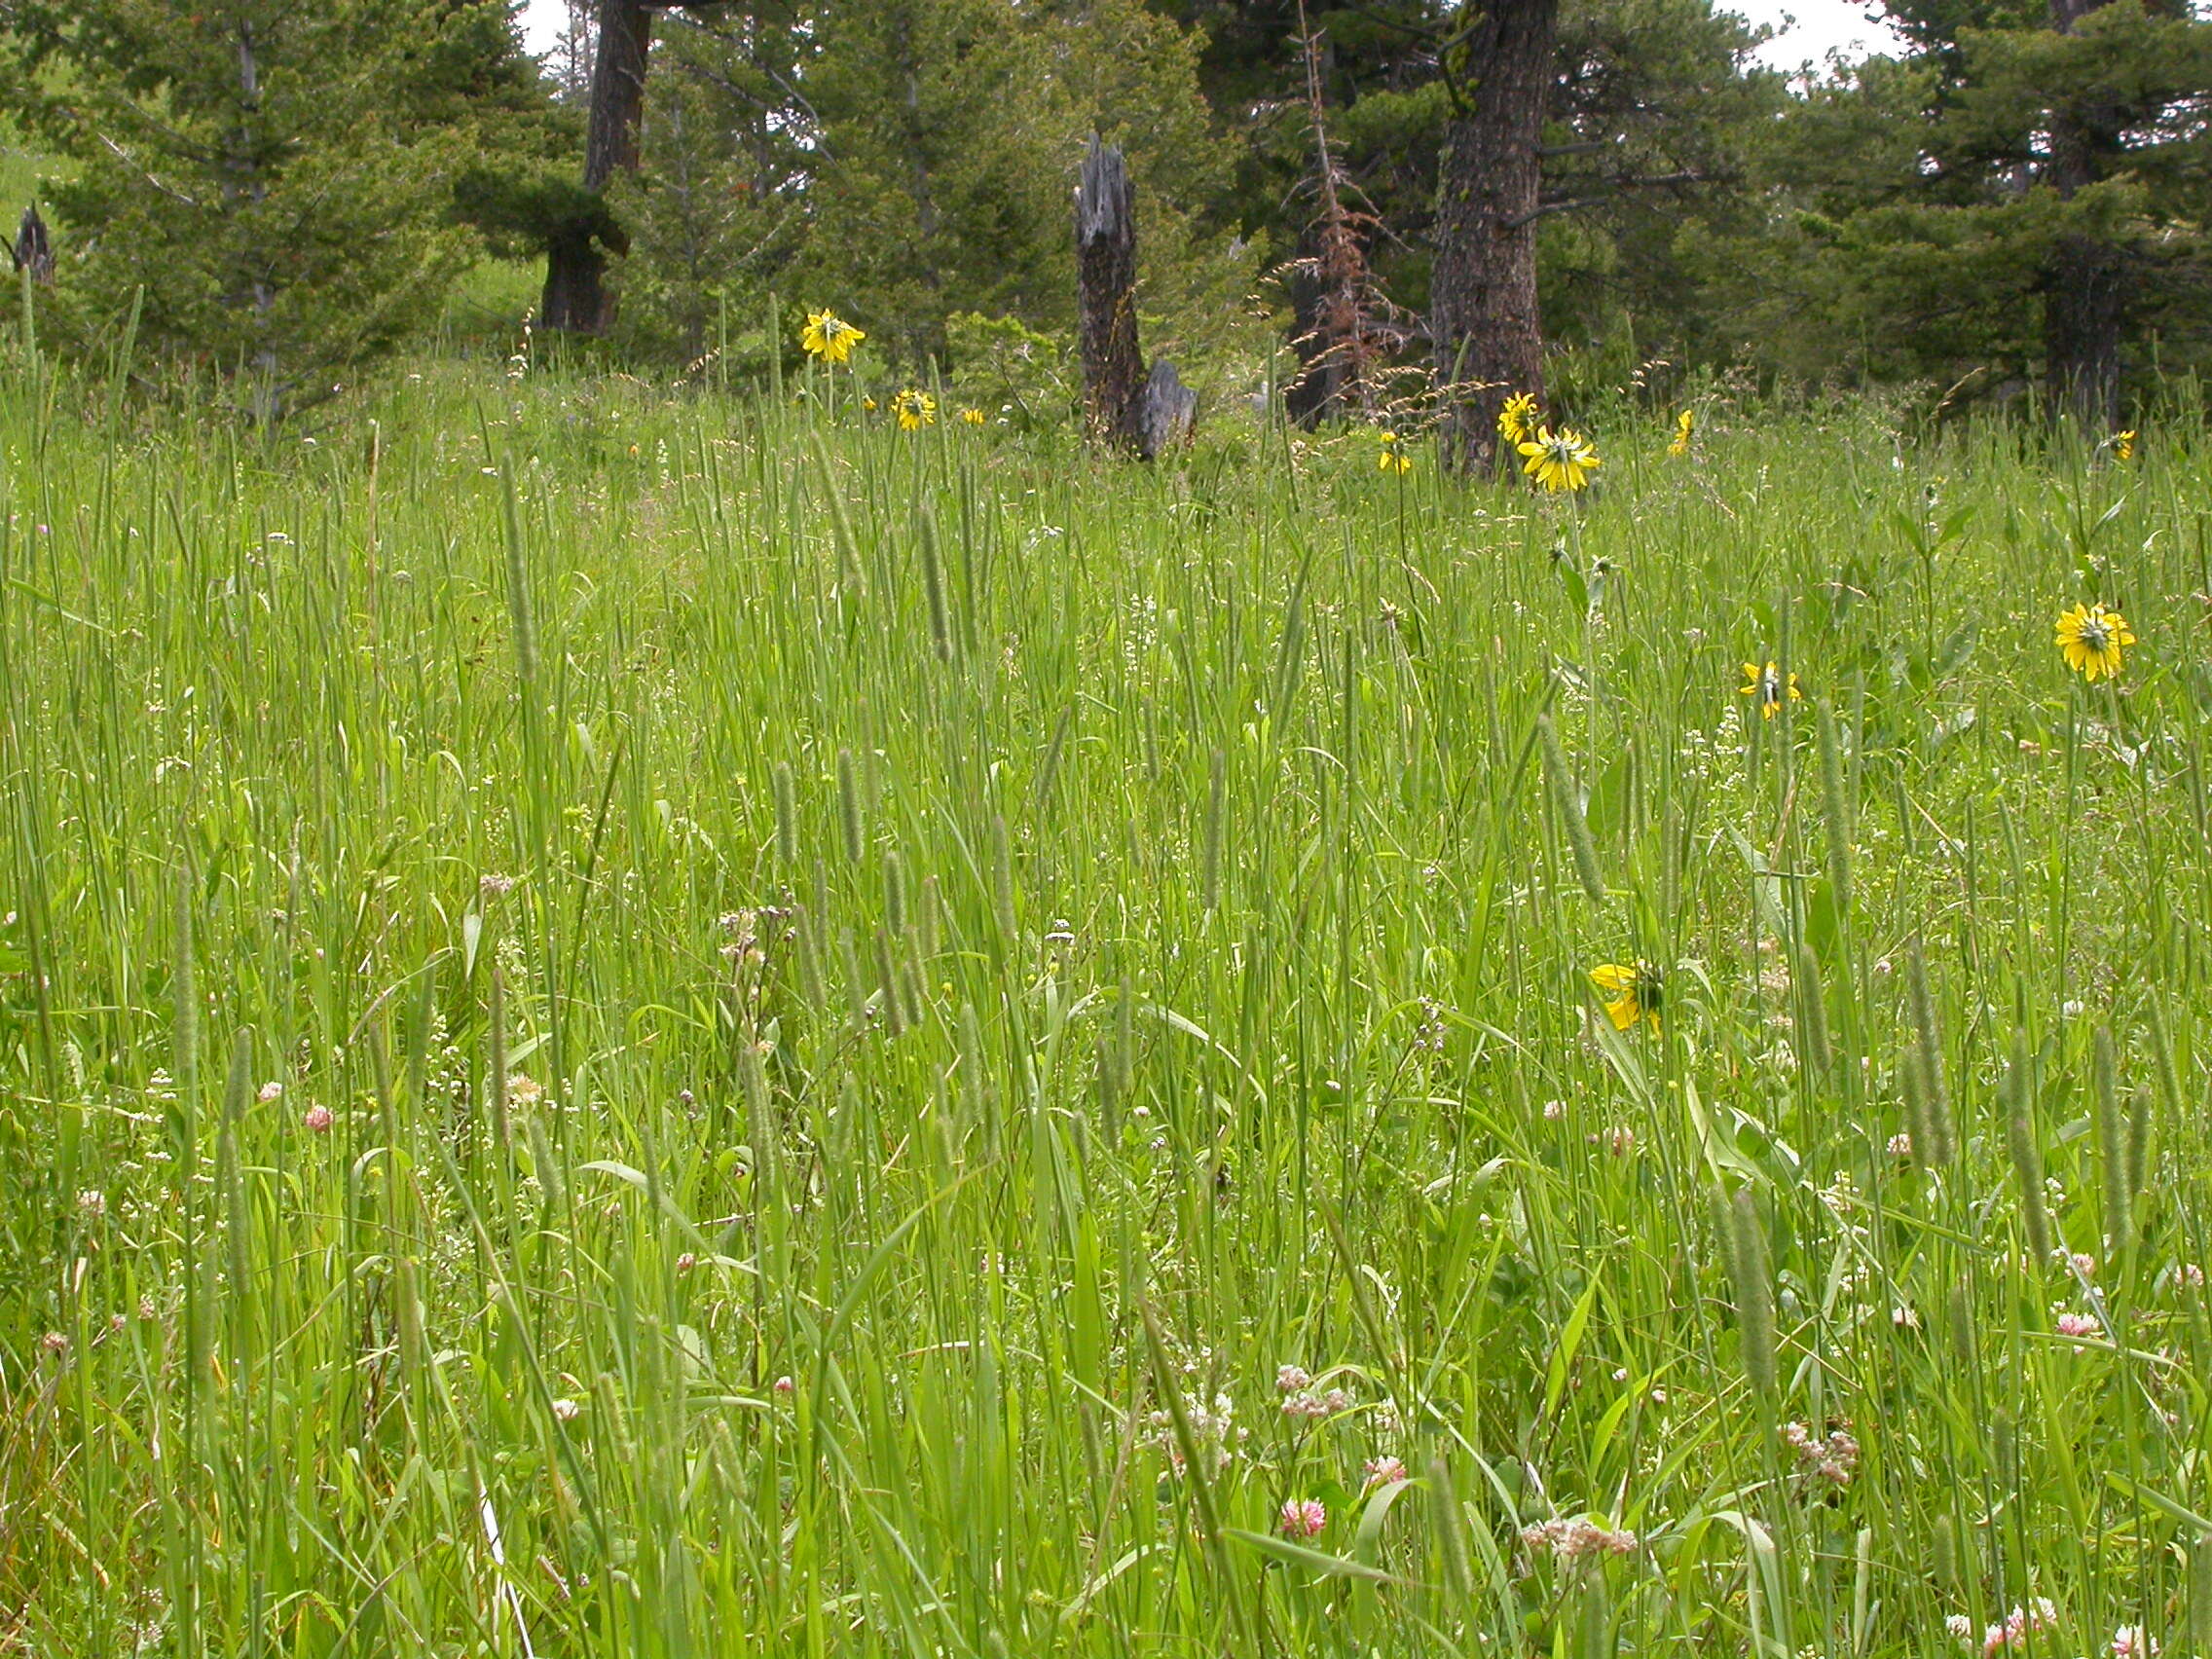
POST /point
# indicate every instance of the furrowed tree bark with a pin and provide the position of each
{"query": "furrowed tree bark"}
(1141, 414)
(2084, 285)
(1488, 336)
(576, 299)
(33, 250)
(1106, 292)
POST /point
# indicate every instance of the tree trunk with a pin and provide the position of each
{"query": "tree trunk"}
(576, 299)
(33, 251)
(1106, 286)
(1121, 405)
(1488, 337)
(2084, 285)
(2084, 305)
(1166, 411)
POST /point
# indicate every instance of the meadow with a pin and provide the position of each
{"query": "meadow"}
(672, 1022)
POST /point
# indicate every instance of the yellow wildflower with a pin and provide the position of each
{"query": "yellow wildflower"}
(2089, 638)
(1518, 418)
(1559, 461)
(1632, 993)
(829, 337)
(915, 410)
(1766, 684)
(1392, 458)
(1684, 422)
(2123, 444)
(974, 416)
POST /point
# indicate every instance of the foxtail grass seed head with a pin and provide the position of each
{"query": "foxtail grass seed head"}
(2138, 1143)
(976, 1097)
(753, 1079)
(1217, 791)
(932, 588)
(1448, 1522)
(1921, 1136)
(2200, 1594)
(840, 520)
(1754, 1279)
(1569, 805)
(1836, 806)
(890, 1004)
(1960, 1304)
(787, 818)
(929, 919)
(184, 1038)
(612, 1421)
(894, 891)
(2162, 1055)
(1927, 1038)
(2026, 1154)
(913, 985)
(543, 1166)
(2111, 1144)
(1002, 880)
(806, 933)
(520, 622)
(1944, 1553)
(1812, 1010)
(495, 1018)
(407, 1291)
(856, 983)
(1117, 1054)
(849, 806)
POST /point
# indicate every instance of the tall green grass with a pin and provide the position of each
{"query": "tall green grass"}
(659, 1026)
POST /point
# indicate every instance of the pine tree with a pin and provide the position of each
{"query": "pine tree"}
(910, 162)
(1631, 135)
(939, 190)
(2020, 200)
(716, 209)
(272, 185)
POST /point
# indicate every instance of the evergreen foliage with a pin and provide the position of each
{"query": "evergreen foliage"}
(277, 192)
(1949, 209)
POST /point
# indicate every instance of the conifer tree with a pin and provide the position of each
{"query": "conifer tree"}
(909, 161)
(2019, 199)
(716, 206)
(271, 185)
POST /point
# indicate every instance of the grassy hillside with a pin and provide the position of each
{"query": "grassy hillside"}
(675, 1025)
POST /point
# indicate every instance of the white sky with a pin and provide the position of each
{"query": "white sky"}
(1815, 28)
(541, 22)
(1811, 30)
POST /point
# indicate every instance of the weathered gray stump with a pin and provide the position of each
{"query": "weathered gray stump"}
(1122, 404)
(1167, 412)
(33, 250)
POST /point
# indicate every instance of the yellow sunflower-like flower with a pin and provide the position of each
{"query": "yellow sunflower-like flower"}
(2089, 638)
(1632, 993)
(1684, 424)
(974, 416)
(829, 337)
(1518, 418)
(1767, 685)
(1393, 457)
(2123, 444)
(868, 404)
(915, 410)
(1559, 461)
